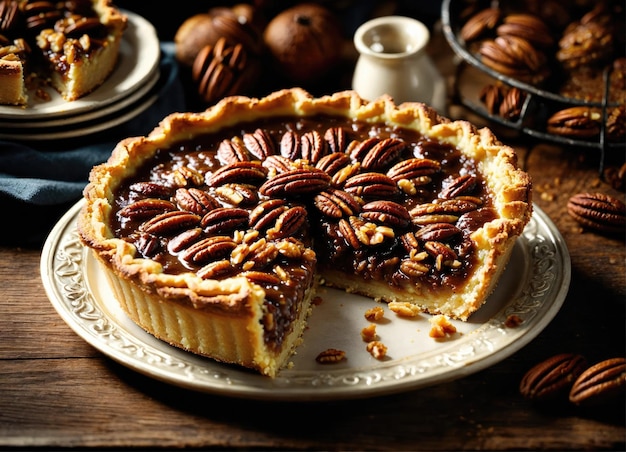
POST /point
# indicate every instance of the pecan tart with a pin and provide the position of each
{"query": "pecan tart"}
(216, 228)
(72, 45)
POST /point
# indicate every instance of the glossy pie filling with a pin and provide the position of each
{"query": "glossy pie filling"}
(256, 199)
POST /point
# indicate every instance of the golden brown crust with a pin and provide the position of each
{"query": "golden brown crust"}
(240, 299)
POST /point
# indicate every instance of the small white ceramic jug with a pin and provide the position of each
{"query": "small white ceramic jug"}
(393, 60)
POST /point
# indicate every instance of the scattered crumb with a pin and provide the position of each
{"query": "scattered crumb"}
(404, 308)
(317, 301)
(441, 327)
(513, 321)
(331, 356)
(377, 349)
(368, 334)
(375, 313)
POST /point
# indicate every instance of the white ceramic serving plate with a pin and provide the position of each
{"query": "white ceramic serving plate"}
(533, 287)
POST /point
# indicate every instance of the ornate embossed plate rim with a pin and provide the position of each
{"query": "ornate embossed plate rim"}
(75, 289)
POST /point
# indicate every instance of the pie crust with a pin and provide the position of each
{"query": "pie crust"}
(253, 313)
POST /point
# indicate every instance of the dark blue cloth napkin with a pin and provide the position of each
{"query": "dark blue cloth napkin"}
(39, 180)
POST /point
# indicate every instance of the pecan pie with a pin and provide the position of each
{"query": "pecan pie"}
(216, 228)
(72, 45)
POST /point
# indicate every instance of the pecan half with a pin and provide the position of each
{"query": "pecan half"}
(332, 163)
(238, 172)
(337, 139)
(295, 182)
(602, 383)
(438, 232)
(462, 185)
(276, 164)
(386, 212)
(146, 208)
(265, 214)
(480, 24)
(598, 211)
(331, 356)
(259, 143)
(195, 200)
(336, 203)
(371, 184)
(170, 222)
(233, 150)
(208, 249)
(383, 153)
(290, 145)
(312, 146)
(288, 223)
(552, 378)
(224, 219)
(576, 122)
(413, 168)
(528, 27)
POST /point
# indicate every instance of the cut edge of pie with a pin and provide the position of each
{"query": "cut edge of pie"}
(223, 319)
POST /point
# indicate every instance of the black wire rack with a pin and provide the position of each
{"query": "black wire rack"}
(538, 103)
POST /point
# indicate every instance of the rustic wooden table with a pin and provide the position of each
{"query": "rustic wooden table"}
(56, 391)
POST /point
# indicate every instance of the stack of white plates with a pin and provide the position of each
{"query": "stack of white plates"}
(130, 89)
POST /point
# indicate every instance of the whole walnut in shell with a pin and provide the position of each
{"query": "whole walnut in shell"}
(305, 41)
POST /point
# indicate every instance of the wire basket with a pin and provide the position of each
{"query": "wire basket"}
(538, 105)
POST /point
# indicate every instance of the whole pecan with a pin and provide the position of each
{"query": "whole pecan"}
(552, 378)
(601, 383)
(576, 122)
(480, 24)
(598, 211)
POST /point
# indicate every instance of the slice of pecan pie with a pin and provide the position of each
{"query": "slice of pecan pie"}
(217, 227)
(72, 45)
